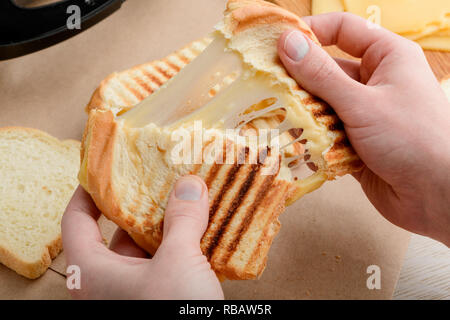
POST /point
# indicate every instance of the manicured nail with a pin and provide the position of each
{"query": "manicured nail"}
(296, 46)
(188, 188)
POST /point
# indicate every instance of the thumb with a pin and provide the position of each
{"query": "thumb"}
(187, 213)
(316, 71)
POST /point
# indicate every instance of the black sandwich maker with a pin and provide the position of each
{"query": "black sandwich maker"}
(26, 30)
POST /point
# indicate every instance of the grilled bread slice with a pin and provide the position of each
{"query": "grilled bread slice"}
(129, 173)
(38, 175)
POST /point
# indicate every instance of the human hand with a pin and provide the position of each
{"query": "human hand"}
(178, 270)
(395, 115)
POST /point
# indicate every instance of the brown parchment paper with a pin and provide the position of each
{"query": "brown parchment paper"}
(327, 240)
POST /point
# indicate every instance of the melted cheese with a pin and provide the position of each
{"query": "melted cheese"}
(168, 106)
(307, 185)
(187, 98)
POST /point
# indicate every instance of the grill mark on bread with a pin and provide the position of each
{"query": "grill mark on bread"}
(173, 66)
(183, 58)
(162, 71)
(152, 78)
(144, 85)
(231, 174)
(235, 203)
(133, 90)
(272, 221)
(216, 197)
(212, 174)
(249, 215)
(214, 170)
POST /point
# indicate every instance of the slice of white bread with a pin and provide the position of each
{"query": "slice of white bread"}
(445, 83)
(38, 175)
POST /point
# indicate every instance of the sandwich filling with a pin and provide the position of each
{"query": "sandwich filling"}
(221, 91)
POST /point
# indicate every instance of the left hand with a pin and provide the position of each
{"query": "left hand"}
(178, 270)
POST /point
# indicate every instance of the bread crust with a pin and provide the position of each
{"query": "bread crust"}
(248, 14)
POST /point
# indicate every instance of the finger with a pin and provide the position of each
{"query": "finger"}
(186, 216)
(122, 244)
(357, 37)
(351, 68)
(349, 32)
(80, 232)
(316, 71)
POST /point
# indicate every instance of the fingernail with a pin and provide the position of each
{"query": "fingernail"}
(188, 188)
(296, 46)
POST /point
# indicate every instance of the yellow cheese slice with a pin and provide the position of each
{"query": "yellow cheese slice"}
(326, 6)
(404, 16)
(427, 22)
(443, 33)
(435, 43)
(434, 29)
(429, 30)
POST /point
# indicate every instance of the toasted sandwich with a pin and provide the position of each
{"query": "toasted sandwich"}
(127, 164)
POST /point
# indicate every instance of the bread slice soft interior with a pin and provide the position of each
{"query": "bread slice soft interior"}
(38, 175)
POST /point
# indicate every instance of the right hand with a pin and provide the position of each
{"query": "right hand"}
(395, 114)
